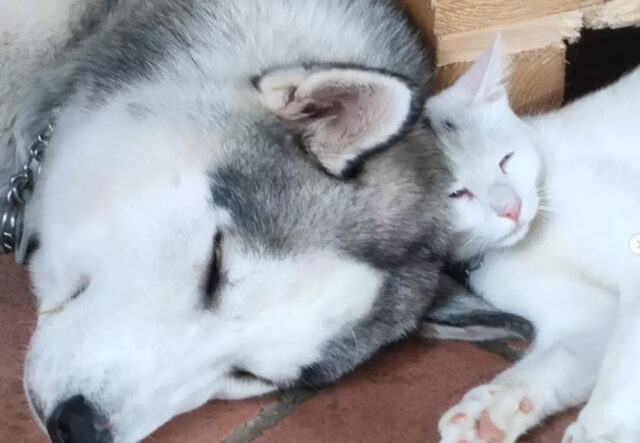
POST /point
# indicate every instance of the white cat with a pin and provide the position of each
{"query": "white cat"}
(552, 204)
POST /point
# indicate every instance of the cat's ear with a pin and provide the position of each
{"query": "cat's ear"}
(485, 80)
(342, 114)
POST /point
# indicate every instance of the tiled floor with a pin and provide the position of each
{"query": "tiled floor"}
(397, 397)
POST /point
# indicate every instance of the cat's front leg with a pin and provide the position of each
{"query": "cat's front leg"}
(573, 320)
(548, 380)
(612, 415)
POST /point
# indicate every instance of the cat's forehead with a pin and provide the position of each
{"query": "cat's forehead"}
(454, 116)
(471, 134)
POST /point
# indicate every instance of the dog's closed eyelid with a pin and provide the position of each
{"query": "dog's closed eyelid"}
(449, 126)
(241, 374)
(214, 272)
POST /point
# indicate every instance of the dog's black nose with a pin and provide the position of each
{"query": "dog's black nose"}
(75, 421)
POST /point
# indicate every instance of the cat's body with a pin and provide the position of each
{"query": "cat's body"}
(590, 184)
(591, 152)
(573, 176)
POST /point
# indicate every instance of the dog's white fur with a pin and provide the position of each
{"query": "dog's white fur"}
(125, 213)
(120, 233)
(577, 171)
(175, 150)
(31, 33)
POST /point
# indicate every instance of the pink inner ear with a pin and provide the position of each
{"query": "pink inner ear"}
(333, 100)
(341, 113)
(484, 80)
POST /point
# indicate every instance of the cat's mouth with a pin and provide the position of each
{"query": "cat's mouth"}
(515, 235)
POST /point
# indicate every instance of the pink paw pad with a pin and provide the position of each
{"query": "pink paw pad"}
(458, 418)
(488, 431)
(526, 406)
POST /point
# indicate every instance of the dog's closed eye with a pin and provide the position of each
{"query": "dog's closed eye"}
(214, 274)
(244, 375)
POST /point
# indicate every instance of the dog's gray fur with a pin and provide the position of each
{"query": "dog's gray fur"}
(391, 216)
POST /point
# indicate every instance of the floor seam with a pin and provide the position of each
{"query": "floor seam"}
(269, 416)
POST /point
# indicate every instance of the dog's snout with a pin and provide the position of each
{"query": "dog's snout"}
(35, 404)
(75, 421)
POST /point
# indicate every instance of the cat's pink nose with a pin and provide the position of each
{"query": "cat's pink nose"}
(511, 211)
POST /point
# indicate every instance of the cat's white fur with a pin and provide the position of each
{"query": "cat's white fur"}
(566, 263)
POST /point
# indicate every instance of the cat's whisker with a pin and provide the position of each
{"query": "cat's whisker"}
(481, 240)
(472, 241)
(545, 208)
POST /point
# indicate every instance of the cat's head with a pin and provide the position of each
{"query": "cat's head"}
(493, 155)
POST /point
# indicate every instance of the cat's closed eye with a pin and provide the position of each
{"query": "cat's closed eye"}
(461, 193)
(504, 161)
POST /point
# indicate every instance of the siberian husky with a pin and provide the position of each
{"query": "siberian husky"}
(226, 198)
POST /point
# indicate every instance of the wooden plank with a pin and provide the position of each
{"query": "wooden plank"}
(613, 14)
(518, 37)
(536, 83)
(453, 16)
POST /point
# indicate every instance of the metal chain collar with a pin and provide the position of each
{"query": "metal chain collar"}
(20, 187)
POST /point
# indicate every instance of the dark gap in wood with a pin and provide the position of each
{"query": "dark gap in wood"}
(599, 58)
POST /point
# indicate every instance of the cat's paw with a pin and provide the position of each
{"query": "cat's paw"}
(584, 433)
(576, 433)
(488, 414)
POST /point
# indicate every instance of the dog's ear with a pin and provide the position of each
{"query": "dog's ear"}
(457, 314)
(342, 114)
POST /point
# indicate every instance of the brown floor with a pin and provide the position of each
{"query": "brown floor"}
(397, 397)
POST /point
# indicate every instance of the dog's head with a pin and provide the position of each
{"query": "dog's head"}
(238, 197)
(222, 214)
(183, 256)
